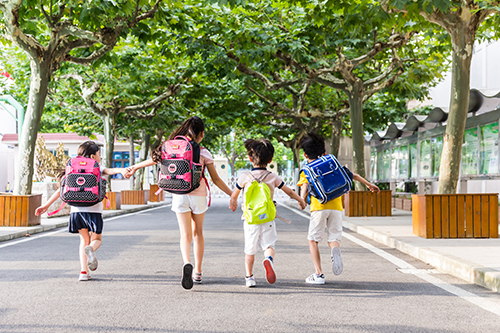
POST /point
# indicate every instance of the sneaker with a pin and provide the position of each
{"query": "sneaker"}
(91, 258)
(268, 265)
(337, 266)
(197, 277)
(250, 281)
(187, 276)
(316, 279)
(84, 276)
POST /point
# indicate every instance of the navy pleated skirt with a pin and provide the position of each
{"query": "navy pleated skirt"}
(90, 221)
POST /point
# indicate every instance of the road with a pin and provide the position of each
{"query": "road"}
(137, 285)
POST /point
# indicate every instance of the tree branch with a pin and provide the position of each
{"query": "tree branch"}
(171, 91)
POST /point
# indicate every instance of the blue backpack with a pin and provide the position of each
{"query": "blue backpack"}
(328, 179)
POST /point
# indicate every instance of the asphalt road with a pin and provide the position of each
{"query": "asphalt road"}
(137, 285)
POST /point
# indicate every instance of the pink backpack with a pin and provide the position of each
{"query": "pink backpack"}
(180, 171)
(82, 185)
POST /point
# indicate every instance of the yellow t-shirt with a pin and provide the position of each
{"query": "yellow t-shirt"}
(335, 204)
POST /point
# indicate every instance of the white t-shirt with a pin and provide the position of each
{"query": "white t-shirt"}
(97, 208)
(205, 159)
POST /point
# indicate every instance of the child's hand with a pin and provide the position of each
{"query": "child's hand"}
(40, 210)
(233, 204)
(129, 172)
(125, 172)
(302, 203)
(373, 188)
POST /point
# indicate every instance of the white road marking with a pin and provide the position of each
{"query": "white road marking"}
(40, 235)
(479, 301)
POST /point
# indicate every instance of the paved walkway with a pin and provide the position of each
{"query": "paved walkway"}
(473, 260)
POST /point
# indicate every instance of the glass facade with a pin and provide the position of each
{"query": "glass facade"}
(488, 149)
(425, 159)
(437, 149)
(413, 161)
(469, 152)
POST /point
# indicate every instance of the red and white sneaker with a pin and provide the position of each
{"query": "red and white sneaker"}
(84, 276)
(268, 265)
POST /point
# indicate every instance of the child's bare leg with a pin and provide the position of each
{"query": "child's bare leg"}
(249, 261)
(333, 244)
(95, 240)
(269, 252)
(316, 258)
(184, 220)
(199, 241)
(84, 241)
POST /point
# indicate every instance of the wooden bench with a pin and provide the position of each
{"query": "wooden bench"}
(455, 215)
(139, 197)
(366, 203)
(19, 210)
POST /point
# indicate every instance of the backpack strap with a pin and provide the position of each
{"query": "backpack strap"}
(260, 180)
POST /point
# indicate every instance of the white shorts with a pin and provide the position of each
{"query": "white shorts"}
(182, 203)
(263, 235)
(328, 219)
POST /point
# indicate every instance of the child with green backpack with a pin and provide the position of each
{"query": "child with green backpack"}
(258, 207)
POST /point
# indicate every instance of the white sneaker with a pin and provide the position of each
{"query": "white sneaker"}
(250, 281)
(91, 258)
(84, 276)
(337, 265)
(315, 279)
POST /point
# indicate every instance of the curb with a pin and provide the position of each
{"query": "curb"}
(42, 228)
(460, 268)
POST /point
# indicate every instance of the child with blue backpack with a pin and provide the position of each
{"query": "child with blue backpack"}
(326, 216)
(259, 228)
(85, 221)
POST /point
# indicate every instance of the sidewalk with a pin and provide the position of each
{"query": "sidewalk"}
(473, 260)
(8, 233)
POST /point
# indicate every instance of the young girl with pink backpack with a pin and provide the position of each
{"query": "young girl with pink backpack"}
(83, 189)
(182, 163)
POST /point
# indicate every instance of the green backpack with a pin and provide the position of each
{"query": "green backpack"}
(259, 206)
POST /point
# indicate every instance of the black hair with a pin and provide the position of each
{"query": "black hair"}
(87, 149)
(260, 151)
(313, 146)
(191, 127)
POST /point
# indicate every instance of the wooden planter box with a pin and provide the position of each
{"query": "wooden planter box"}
(19, 210)
(455, 215)
(152, 194)
(366, 203)
(140, 197)
(115, 201)
(402, 203)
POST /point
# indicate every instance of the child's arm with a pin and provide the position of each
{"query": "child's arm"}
(372, 187)
(218, 181)
(44, 208)
(291, 193)
(233, 202)
(304, 188)
(114, 171)
(133, 168)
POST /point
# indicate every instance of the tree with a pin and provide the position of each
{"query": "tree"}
(461, 20)
(51, 34)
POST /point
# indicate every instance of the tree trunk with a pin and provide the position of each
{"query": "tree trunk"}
(143, 155)
(462, 43)
(336, 135)
(109, 137)
(40, 78)
(131, 157)
(358, 135)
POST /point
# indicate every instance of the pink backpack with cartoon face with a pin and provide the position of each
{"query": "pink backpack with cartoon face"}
(180, 171)
(82, 185)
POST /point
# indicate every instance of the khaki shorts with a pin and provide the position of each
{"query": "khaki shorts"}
(329, 220)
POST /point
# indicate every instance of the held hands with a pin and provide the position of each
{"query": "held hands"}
(129, 171)
(233, 204)
(302, 203)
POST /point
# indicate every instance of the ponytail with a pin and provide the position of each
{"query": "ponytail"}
(192, 127)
